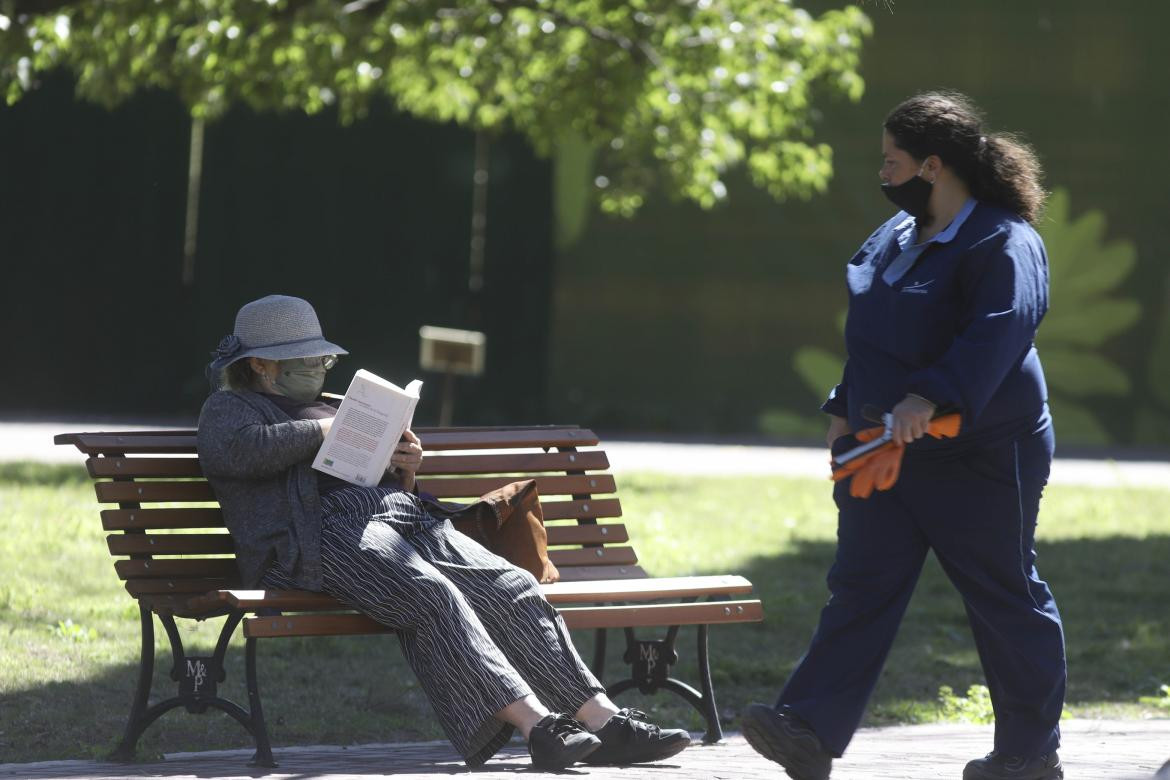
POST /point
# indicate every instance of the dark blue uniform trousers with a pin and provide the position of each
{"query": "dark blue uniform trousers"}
(978, 513)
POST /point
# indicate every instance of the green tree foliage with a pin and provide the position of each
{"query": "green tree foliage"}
(671, 93)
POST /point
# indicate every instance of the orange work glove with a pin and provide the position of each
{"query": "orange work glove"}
(880, 469)
(862, 436)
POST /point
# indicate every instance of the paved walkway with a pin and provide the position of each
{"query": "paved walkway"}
(34, 441)
(1094, 750)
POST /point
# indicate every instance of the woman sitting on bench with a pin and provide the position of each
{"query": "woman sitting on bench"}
(488, 649)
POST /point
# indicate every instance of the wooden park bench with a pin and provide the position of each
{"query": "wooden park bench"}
(176, 558)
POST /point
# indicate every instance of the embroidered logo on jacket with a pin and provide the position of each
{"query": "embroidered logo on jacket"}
(918, 288)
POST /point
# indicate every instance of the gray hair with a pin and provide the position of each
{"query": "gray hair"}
(238, 376)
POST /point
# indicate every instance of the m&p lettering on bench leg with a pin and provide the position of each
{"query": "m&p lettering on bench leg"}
(198, 679)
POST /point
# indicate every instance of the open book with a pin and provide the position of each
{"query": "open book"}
(368, 426)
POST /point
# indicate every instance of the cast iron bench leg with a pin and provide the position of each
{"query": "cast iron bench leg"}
(263, 756)
(193, 673)
(125, 750)
(650, 662)
(600, 641)
(711, 712)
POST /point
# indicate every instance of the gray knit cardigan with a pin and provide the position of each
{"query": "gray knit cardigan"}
(257, 461)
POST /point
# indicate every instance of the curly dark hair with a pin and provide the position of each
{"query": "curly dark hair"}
(998, 168)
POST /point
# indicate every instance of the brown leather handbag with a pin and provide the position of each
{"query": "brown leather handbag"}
(509, 522)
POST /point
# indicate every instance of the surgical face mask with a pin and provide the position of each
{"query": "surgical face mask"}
(301, 379)
(912, 195)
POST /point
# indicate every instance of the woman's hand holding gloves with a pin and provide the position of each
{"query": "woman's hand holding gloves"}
(879, 469)
(912, 417)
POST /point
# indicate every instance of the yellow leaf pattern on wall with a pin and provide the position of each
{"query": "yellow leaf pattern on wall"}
(1085, 313)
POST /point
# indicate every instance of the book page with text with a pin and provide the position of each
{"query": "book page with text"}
(368, 426)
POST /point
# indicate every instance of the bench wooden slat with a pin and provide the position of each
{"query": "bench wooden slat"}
(175, 585)
(579, 573)
(473, 487)
(312, 625)
(556, 593)
(594, 556)
(506, 438)
(147, 442)
(645, 589)
(641, 616)
(143, 467)
(522, 462)
(144, 519)
(126, 492)
(609, 533)
(180, 605)
(571, 510)
(569, 574)
(169, 544)
(283, 600)
(660, 615)
(183, 568)
(183, 441)
(457, 487)
(186, 517)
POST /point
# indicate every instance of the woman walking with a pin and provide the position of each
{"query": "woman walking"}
(944, 302)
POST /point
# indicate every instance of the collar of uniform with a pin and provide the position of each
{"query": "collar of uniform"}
(907, 229)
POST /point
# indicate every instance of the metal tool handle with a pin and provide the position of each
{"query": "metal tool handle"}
(887, 420)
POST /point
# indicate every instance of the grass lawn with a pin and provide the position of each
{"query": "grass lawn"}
(69, 634)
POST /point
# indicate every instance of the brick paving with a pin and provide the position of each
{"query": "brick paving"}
(1093, 750)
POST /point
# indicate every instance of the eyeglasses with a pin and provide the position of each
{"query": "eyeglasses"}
(321, 361)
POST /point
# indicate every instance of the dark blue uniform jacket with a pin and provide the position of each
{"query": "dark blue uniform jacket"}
(957, 327)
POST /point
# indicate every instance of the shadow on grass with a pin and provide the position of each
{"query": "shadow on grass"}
(353, 690)
(331, 690)
(1112, 593)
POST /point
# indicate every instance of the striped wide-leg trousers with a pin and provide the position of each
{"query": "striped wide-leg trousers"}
(475, 629)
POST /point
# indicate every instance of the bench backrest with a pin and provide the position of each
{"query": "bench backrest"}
(169, 541)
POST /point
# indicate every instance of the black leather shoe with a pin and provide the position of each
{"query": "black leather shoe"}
(994, 766)
(556, 741)
(628, 739)
(787, 740)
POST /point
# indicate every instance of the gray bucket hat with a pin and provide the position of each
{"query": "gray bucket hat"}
(276, 327)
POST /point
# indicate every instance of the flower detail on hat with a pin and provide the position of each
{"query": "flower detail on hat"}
(228, 346)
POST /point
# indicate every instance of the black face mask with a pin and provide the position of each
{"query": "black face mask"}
(912, 195)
